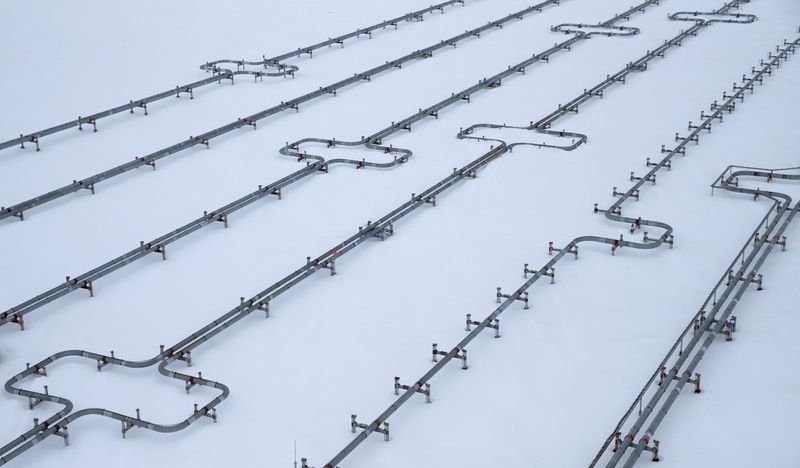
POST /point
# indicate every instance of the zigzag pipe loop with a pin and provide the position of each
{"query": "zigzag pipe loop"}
(58, 423)
(283, 69)
(400, 155)
(577, 138)
(717, 320)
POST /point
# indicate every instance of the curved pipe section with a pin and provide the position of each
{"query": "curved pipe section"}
(219, 73)
(58, 424)
(86, 280)
(400, 155)
(18, 210)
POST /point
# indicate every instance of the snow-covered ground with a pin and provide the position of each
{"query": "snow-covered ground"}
(548, 392)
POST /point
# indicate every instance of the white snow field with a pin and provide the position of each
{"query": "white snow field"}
(549, 391)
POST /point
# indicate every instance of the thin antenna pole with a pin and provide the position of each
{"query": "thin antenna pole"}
(295, 454)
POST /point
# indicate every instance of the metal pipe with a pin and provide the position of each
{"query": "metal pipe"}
(17, 313)
(18, 209)
(219, 73)
(258, 302)
(544, 125)
(713, 324)
(683, 350)
(176, 352)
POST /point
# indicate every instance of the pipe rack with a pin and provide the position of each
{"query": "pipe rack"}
(158, 245)
(58, 423)
(219, 73)
(18, 209)
(700, 323)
